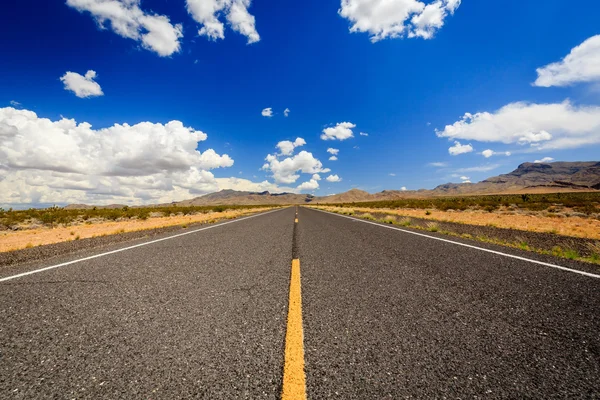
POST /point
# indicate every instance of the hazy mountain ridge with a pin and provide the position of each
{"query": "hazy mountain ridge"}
(532, 176)
(528, 177)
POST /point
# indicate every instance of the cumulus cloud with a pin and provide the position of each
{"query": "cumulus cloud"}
(582, 64)
(308, 186)
(287, 170)
(333, 151)
(316, 177)
(540, 126)
(82, 86)
(340, 131)
(488, 153)
(208, 14)
(544, 160)
(460, 149)
(333, 178)
(333, 158)
(286, 147)
(286, 112)
(403, 188)
(267, 112)
(397, 18)
(126, 18)
(66, 161)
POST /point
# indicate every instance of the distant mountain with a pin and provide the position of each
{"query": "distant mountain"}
(527, 178)
(533, 177)
(225, 197)
(353, 195)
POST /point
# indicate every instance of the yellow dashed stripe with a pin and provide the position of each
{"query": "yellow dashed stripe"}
(294, 379)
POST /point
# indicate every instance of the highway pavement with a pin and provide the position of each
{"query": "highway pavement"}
(300, 304)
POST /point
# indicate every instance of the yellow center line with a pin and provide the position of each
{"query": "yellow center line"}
(296, 220)
(294, 379)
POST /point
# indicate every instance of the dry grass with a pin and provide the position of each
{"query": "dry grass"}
(433, 227)
(569, 226)
(390, 219)
(15, 240)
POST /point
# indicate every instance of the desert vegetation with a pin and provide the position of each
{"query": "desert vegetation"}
(58, 216)
(21, 229)
(560, 204)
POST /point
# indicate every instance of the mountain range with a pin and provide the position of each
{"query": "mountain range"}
(527, 178)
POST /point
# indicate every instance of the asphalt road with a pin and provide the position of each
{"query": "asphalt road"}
(386, 314)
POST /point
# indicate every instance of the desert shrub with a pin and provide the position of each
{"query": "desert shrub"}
(390, 219)
(571, 254)
(405, 222)
(433, 227)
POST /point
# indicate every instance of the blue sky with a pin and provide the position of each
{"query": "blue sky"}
(406, 75)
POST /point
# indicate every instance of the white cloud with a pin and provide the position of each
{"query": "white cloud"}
(316, 177)
(145, 162)
(544, 160)
(333, 178)
(333, 158)
(287, 147)
(15, 103)
(286, 112)
(488, 153)
(308, 186)
(267, 112)
(364, 134)
(397, 18)
(286, 170)
(438, 164)
(460, 149)
(541, 126)
(582, 64)
(82, 86)
(155, 32)
(464, 178)
(340, 131)
(208, 13)
(246, 185)
(403, 188)
(392, 174)
(333, 151)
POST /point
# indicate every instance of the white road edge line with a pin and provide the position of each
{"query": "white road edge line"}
(8, 278)
(468, 245)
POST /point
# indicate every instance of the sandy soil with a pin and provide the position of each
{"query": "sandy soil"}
(588, 228)
(15, 240)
